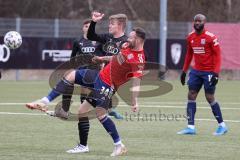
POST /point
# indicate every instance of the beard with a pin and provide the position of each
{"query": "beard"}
(198, 28)
(131, 45)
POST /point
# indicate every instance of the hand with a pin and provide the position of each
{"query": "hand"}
(97, 16)
(135, 108)
(183, 77)
(214, 79)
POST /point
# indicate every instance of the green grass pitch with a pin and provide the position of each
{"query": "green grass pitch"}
(31, 135)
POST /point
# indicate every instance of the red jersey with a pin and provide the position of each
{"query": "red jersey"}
(127, 64)
(204, 50)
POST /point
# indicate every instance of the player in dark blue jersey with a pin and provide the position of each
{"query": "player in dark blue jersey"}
(112, 41)
(82, 47)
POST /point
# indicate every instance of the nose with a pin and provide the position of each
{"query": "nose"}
(197, 22)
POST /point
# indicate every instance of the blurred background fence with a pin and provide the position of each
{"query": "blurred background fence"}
(49, 30)
(63, 28)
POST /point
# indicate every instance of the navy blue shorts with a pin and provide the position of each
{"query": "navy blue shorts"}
(199, 78)
(101, 92)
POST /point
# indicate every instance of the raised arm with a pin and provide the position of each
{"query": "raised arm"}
(91, 34)
(74, 49)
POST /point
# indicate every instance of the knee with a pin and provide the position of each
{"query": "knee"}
(100, 113)
(210, 98)
(70, 76)
(192, 95)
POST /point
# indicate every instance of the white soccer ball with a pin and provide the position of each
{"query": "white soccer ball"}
(13, 39)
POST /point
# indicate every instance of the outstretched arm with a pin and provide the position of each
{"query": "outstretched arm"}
(103, 59)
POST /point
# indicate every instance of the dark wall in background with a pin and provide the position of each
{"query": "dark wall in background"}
(48, 53)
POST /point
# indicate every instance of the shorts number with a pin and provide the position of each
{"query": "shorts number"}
(106, 91)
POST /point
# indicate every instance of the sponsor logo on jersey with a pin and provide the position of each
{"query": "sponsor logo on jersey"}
(111, 48)
(198, 50)
(88, 49)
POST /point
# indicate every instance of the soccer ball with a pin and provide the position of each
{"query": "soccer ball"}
(13, 39)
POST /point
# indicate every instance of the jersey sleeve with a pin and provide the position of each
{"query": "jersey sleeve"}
(74, 49)
(93, 36)
(216, 54)
(188, 57)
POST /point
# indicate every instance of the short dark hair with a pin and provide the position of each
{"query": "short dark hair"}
(86, 21)
(140, 32)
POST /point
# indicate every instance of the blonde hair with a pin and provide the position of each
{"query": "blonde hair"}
(121, 18)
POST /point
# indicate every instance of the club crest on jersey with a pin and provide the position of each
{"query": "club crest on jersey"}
(203, 41)
(94, 43)
(130, 56)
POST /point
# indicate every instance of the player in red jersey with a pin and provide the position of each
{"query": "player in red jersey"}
(203, 49)
(128, 64)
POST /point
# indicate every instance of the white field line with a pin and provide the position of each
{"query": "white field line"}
(148, 102)
(156, 105)
(200, 119)
(42, 114)
(27, 114)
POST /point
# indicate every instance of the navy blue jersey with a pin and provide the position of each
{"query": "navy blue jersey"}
(111, 45)
(85, 46)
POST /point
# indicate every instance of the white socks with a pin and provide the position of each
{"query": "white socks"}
(118, 143)
(222, 124)
(191, 126)
(45, 100)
